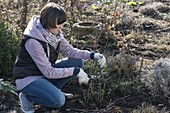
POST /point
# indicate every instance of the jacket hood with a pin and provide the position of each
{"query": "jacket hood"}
(32, 29)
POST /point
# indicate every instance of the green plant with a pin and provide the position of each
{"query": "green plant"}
(8, 50)
(95, 93)
(97, 86)
(7, 86)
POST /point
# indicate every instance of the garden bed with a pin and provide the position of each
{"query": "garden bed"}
(140, 36)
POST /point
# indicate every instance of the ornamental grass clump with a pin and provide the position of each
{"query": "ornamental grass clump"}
(122, 64)
(161, 74)
(149, 109)
(158, 80)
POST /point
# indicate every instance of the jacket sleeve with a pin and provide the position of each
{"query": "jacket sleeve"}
(71, 52)
(37, 53)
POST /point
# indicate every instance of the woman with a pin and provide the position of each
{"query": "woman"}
(37, 72)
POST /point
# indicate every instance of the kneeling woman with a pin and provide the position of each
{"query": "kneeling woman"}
(38, 73)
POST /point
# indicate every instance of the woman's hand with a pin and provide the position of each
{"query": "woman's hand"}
(100, 59)
(82, 77)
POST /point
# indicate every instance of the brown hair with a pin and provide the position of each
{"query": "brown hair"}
(51, 15)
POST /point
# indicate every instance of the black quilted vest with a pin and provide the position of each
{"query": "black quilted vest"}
(25, 66)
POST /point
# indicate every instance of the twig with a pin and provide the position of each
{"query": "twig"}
(141, 65)
(110, 106)
(78, 110)
(121, 98)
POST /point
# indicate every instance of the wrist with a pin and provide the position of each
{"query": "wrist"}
(76, 71)
(92, 55)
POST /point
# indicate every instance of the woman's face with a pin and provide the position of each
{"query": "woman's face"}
(57, 29)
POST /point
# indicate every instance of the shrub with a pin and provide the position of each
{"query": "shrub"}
(8, 50)
(158, 80)
(149, 109)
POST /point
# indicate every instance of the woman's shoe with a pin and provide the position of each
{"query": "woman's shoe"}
(26, 105)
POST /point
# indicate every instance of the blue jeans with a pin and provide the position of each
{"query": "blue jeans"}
(46, 91)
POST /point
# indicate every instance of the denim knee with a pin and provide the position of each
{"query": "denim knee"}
(81, 62)
(58, 101)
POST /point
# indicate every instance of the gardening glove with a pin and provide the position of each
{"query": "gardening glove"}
(82, 77)
(101, 60)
